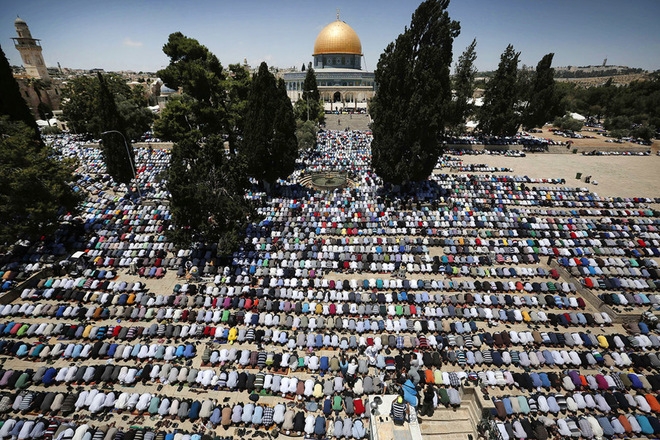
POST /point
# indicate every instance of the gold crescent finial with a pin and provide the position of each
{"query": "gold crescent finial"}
(337, 13)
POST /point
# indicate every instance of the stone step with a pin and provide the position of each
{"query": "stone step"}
(441, 415)
(450, 436)
(449, 427)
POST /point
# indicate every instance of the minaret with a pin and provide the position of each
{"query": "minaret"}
(30, 50)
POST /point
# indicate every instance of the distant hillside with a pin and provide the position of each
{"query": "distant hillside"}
(577, 72)
(595, 71)
(584, 76)
(600, 80)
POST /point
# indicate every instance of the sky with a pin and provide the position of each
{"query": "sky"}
(129, 34)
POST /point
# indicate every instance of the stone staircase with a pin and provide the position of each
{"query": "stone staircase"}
(448, 424)
(459, 423)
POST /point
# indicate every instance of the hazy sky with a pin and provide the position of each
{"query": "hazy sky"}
(129, 34)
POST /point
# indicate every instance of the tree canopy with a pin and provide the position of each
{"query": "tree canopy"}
(33, 182)
(463, 81)
(306, 134)
(543, 101)
(413, 103)
(194, 68)
(499, 114)
(270, 147)
(83, 110)
(118, 154)
(310, 106)
(238, 89)
(207, 194)
(12, 103)
(33, 185)
(207, 183)
(630, 110)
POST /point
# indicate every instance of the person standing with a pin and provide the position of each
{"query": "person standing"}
(399, 411)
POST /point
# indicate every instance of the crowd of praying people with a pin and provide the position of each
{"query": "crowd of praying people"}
(473, 278)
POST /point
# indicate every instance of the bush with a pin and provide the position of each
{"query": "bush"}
(568, 123)
(618, 134)
(643, 132)
(51, 129)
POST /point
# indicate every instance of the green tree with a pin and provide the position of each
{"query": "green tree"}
(636, 101)
(413, 103)
(238, 90)
(43, 109)
(33, 185)
(178, 120)
(118, 154)
(306, 134)
(543, 101)
(12, 103)
(311, 104)
(207, 189)
(217, 100)
(81, 105)
(198, 72)
(133, 108)
(464, 88)
(567, 123)
(499, 115)
(33, 182)
(270, 147)
(207, 183)
(645, 132)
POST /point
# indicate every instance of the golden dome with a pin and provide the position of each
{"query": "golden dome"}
(337, 37)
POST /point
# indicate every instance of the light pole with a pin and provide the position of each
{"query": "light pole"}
(128, 152)
(307, 98)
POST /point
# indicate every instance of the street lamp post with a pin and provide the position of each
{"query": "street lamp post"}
(307, 101)
(128, 152)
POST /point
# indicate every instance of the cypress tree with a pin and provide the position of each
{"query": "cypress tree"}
(464, 86)
(311, 98)
(270, 147)
(499, 115)
(12, 103)
(543, 102)
(117, 152)
(412, 106)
